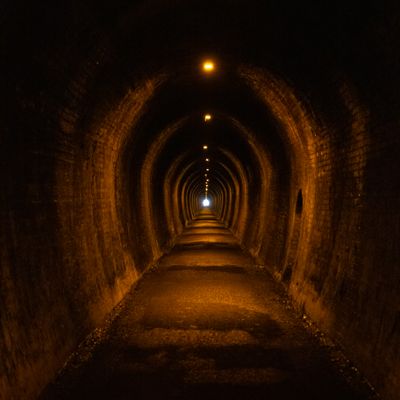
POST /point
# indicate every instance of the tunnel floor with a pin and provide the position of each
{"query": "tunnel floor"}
(208, 323)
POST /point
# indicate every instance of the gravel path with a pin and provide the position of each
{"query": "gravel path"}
(206, 323)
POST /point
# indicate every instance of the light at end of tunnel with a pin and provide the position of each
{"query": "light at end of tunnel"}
(207, 117)
(206, 203)
(208, 66)
(205, 147)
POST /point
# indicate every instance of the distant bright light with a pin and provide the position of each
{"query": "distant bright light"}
(206, 203)
(205, 147)
(207, 169)
(207, 180)
(207, 117)
(208, 66)
(207, 159)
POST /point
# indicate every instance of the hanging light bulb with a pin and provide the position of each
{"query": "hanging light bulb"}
(208, 66)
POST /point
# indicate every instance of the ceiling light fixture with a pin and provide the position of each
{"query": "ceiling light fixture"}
(208, 66)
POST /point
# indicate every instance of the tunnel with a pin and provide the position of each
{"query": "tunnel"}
(200, 199)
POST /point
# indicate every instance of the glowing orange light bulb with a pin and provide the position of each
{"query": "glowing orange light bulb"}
(208, 66)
